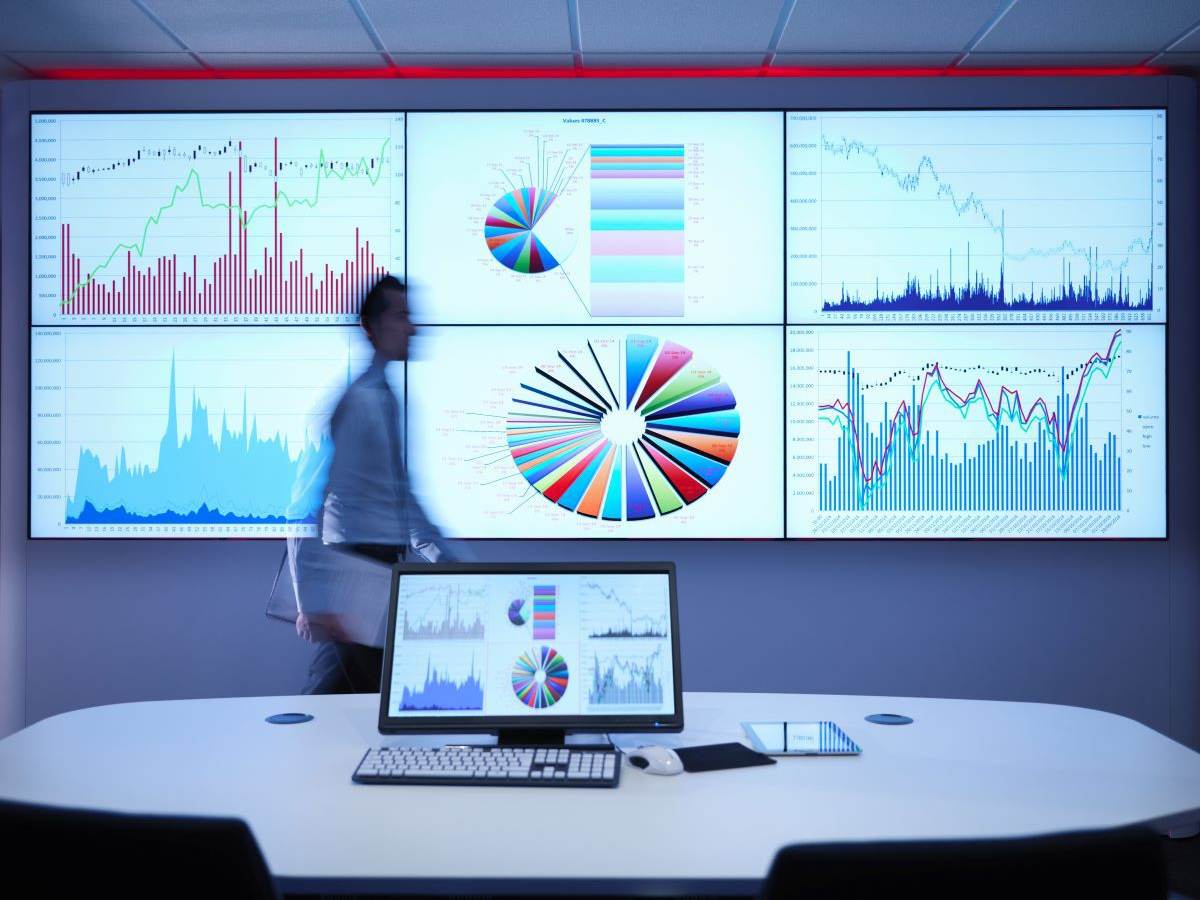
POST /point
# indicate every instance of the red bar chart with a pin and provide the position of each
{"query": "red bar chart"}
(193, 220)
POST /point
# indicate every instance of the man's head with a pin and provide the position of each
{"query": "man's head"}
(384, 317)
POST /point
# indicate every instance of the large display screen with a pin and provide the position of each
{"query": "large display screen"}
(524, 646)
(670, 324)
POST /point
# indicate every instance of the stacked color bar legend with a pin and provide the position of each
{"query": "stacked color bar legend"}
(235, 284)
(637, 230)
(545, 598)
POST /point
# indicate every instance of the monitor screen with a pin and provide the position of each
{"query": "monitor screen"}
(475, 647)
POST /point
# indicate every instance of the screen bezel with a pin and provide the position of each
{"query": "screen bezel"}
(483, 724)
(759, 101)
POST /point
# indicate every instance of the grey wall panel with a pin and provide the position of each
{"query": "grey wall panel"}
(1111, 625)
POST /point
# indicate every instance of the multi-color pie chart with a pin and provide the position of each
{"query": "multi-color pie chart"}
(651, 434)
(539, 677)
(510, 230)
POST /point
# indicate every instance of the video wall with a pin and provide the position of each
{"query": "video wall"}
(749, 324)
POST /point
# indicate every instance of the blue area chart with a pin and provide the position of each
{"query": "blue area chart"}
(238, 478)
(442, 692)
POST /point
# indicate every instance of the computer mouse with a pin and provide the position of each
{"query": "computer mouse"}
(657, 760)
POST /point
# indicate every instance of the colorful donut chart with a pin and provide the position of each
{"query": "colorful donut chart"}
(539, 677)
(625, 445)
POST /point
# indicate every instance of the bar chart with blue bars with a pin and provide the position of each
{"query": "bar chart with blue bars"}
(637, 233)
(985, 431)
(1033, 216)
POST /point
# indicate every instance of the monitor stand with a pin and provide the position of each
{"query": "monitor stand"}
(548, 737)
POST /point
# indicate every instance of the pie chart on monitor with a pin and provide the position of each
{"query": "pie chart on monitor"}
(540, 677)
(522, 232)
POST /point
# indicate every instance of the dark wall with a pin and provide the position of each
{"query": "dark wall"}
(1113, 625)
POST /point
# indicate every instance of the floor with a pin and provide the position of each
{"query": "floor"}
(1183, 863)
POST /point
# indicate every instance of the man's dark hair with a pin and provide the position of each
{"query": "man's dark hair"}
(377, 300)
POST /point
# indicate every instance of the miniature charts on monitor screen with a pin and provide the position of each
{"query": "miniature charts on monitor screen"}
(588, 647)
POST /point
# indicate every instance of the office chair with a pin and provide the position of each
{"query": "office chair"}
(1119, 863)
(73, 852)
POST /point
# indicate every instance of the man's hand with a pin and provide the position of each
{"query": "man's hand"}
(303, 628)
(321, 627)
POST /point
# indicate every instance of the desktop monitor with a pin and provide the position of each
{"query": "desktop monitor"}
(532, 651)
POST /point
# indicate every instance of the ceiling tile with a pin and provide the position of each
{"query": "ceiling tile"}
(908, 26)
(681, 26)
(866, 60)
(1190, 42)
(79, 25)
(672, 60)
(1091, 26)
(295, 60)
(274, 26)
(485, 60)
(1050, 60)
(471, 26)
(45, 62)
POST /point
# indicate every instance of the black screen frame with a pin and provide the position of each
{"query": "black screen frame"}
(483, 724)
(1045, 91)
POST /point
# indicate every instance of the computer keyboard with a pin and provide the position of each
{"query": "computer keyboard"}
(518, 766)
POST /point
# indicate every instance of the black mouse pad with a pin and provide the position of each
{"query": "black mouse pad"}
(711, 757)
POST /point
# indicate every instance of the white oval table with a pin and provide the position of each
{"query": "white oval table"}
(964, 769)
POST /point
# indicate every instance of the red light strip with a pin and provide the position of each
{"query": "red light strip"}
(77, 74)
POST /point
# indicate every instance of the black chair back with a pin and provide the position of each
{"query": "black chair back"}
(63, 852)
(1121, 863)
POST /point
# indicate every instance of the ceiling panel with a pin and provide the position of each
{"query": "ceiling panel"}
(471, 26)
(295, 60)
(1190, 42)
(46, 61)
(79, 25)
(1042, 26)
(672, 60)
(909, 26)
(866, 60)
(681, 26)
(297, 26)
(485, 60)
(1050, 60)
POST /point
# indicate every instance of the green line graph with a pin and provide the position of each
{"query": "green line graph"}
(282, 198)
